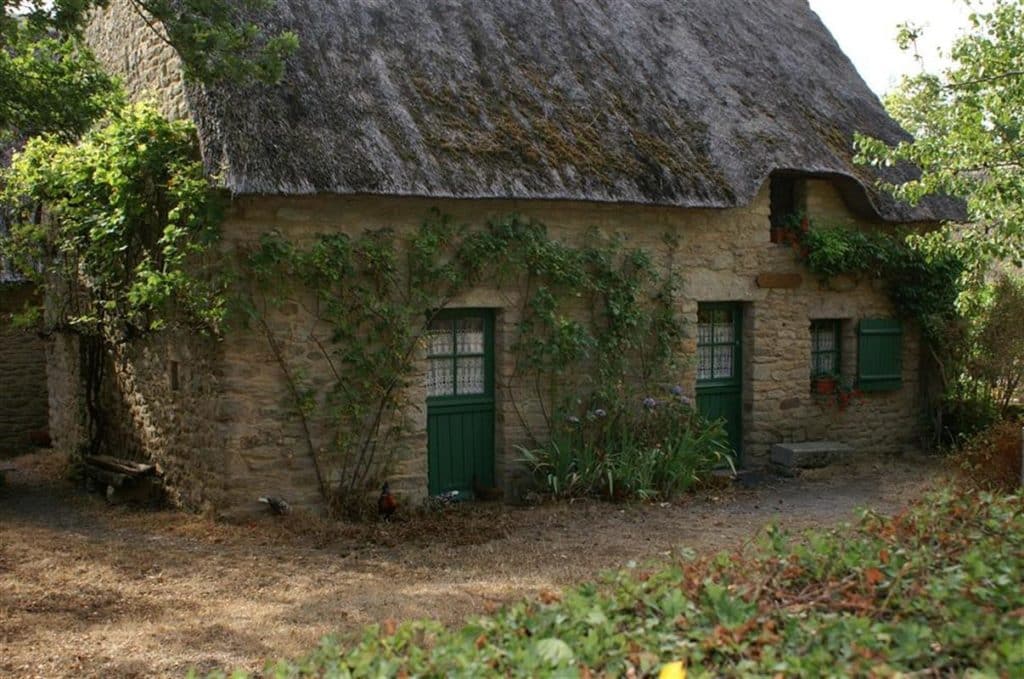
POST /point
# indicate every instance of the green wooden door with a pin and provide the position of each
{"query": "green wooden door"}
(460, 401)
(720, 368)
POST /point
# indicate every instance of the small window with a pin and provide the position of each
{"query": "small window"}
(825, 346)
(456, 351)
(787, 198)
(175, 377)
(717, 343)
(880, 355)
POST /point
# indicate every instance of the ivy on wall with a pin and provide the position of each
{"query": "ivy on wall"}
(924, 283)
(600, 318)
(117, 230)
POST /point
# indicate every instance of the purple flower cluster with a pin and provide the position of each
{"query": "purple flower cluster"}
(678, 392)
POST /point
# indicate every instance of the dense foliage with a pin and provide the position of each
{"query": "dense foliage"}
(967, 123)
(997, 362)
(591, 319)
(993, 459)
(923, 282)
(128, 210)
(625, 448)
(933, 591)
(51, 83)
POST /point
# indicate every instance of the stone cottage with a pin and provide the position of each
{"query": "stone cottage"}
(709, 120)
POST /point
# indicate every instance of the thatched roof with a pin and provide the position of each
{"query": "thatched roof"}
(667, 102)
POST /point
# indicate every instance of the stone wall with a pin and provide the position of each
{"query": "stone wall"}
(23, 400)
(160, 402)
(722, 254)
(229, 431)
(149, 68)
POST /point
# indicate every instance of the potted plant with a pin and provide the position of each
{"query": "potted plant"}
(846, 395)
(791, 231)
(825, 384)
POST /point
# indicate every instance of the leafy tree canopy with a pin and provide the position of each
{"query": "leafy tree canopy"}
(52, 84)
(967, 123)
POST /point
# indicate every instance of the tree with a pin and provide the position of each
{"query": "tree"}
(112, 219)
(52, 84)
(967, 122)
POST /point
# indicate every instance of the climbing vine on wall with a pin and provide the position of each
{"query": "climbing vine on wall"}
(924, 278)
(923, 283)
(117, 230)
(599, 317)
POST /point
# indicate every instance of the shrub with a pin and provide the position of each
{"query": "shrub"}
(968, 410)
(991, 459)
(934, 591)
(998, 359)
(647, 449)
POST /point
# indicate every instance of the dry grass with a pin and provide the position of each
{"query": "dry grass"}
(92, 590)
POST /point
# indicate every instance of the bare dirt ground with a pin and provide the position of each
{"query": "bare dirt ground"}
(92, 590)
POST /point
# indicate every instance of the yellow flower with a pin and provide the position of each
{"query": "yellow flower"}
(673, 670)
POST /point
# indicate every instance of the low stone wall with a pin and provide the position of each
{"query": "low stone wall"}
(23, 399)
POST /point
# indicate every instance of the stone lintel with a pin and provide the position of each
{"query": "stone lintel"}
(783, 281)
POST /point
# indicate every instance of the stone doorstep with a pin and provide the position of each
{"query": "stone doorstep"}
(809, 455)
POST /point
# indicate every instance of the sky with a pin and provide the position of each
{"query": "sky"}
(866, 30)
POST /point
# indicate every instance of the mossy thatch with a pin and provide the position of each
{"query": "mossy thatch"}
(669, 102)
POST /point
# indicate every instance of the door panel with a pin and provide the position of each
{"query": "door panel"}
(720, 367)
(460, 401)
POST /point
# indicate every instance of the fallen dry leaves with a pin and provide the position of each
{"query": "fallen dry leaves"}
(91, 590)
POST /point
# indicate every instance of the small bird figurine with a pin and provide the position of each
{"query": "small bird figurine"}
(386, 504)
(277, 505)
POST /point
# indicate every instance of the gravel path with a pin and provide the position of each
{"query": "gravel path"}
(91, 590)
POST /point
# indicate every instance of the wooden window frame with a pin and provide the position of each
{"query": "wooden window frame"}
(455, 315)
(836, 327)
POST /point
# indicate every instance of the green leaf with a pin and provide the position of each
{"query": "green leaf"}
(553, 651)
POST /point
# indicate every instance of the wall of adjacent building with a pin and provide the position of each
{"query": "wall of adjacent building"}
(23, 398)
(130, 49)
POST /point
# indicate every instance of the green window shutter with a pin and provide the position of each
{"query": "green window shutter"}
(879, 360)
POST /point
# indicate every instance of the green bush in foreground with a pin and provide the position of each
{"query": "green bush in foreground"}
(935, 590)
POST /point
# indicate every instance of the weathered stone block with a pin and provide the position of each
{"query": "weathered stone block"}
(808, 455)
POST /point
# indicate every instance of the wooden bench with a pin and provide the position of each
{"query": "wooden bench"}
(124, 480)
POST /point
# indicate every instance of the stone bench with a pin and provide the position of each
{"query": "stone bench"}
(809, 455)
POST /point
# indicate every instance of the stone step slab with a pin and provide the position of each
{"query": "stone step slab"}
(808, 455)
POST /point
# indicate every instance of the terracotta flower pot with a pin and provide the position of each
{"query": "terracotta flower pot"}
(825, 385)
